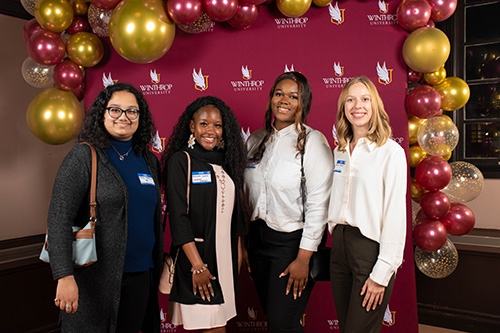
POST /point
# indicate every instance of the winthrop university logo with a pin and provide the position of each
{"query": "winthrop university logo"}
(336, 14)
(247, 84)
(251, 324)
(155, 88)
(291, 22)
(166, 327)
(200, 80)
(383, 17)
(338, 81)
(384, 74)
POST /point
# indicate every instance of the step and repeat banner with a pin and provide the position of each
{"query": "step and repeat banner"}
(329, 46)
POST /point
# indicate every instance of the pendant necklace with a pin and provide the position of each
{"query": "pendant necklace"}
(122, 157)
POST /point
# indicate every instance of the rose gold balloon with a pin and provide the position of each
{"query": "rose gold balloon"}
(85, 49)
(184, 11)
(54, 116)
(413, 14)
(245, 16)
(442, 9)
(54, 15)
(46, 47)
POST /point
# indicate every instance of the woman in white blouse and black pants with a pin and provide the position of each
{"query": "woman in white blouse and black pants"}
(367, 213)
(282, 239)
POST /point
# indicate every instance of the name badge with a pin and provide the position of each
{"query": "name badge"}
(201, 177)
(339, 166)
(146, 179)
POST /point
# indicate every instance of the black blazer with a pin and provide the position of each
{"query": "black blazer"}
(199, 223)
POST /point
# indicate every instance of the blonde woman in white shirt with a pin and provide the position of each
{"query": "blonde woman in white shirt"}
(283, 233)
(367, 213)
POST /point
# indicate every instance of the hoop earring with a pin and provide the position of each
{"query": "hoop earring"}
(191, 141)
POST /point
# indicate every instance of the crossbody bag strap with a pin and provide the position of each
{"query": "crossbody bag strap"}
(93, 182)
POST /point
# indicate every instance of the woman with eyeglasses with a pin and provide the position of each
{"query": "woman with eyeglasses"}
(119, 292)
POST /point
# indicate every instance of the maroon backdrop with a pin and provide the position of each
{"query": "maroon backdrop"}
(329, 47)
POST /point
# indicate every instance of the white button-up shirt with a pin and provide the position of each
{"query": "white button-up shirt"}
(369, 192)
(273, 184)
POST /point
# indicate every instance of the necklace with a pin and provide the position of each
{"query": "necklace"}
(222, 184)
(122, 157)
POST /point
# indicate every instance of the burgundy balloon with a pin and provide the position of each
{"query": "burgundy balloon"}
(79, 92)
(253, 2)
(433, 173)
(414, 77)
(430, 24)
(220, 10)
(68, 75)
(435, 205)
(442, 9)
(413, 14)
(430, 235)
(459, 220)
(79, 24)
(30, 28)
(105, 4)
(423, 102)
(46, 47)
(184, 11)
(245, 16)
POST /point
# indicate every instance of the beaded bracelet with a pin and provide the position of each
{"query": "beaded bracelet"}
(194, 271)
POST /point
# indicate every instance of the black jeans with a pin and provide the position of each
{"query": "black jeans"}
(352, 259)
(270, 252)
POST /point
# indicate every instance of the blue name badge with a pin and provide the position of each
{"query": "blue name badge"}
(201, 177)
(146, 179)
(339, 166)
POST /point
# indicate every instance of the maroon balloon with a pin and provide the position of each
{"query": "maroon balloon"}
(30, 28)
(220, 10)
(67, 75)
(46, 47)
(413, 14)
(253, 2)
(430, 24)
(435, 205)
(430, 235)
(433, 173)
(442, 9)
(414, 77)
(79, 24)
(459, 220)
(79, 92)
(105, 4)
(245, 16)
(184, 11)
(423, 102)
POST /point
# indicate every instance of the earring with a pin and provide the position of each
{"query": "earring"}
(220, 145)
(191, 141)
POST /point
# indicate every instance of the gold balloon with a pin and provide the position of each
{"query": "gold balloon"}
(438, 136)
(54, 15)
(466, 182)
(416, 155)
(54, 116)
(413, 126)
(85, 49)
(426, 49)
(447, 156)
(454, 93)
(416, 190)
(141, 31)
(80, 7)
(322, 3)
(435, 77)
(293, 8)
(437, 264)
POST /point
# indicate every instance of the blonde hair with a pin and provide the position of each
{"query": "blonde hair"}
(379, 130)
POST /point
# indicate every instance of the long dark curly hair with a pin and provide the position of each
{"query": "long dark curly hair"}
(93, 129)
(305, 99)
(231, 134)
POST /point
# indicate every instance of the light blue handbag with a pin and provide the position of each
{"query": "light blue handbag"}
(84, 246)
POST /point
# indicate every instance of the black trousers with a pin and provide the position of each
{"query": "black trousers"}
(270, 252)
(352, 259)
(133, 301)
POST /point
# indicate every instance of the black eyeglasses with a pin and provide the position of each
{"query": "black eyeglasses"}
(115, 112)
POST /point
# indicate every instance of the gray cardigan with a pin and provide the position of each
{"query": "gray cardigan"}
(99, 284)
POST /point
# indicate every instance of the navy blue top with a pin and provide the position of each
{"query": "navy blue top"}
(142, 201)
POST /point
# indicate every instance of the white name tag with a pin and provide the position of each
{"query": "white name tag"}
(201, 177)
(339, 166)
(146, 179)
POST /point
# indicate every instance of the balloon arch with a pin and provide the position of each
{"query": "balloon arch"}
(439, 189)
